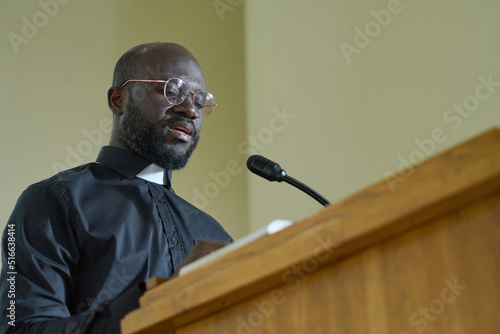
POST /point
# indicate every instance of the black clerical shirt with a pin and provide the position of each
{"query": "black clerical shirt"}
(86, 239)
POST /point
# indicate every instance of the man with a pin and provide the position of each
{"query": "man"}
(88, 238)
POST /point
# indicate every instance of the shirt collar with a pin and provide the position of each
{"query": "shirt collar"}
(130, 165)
(153, 173)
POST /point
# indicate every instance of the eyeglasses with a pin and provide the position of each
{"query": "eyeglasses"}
(175, 91)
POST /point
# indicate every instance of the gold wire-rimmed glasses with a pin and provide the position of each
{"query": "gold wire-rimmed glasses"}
(175, 91)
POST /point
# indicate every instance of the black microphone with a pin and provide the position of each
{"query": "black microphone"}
(271, 171)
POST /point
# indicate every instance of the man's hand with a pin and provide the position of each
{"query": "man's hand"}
(199, 250)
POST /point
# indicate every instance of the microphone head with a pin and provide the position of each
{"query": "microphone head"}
(266, 168)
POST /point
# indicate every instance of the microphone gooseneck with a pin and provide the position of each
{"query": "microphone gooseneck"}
(272, 171)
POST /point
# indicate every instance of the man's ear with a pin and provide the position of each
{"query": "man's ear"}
(117, 100)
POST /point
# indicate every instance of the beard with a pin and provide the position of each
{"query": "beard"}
(140, 135)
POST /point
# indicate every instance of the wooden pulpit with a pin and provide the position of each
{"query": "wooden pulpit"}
(418, 252)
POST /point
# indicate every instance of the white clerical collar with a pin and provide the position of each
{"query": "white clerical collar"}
(154, 173)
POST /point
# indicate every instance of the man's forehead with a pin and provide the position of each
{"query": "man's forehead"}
(166, 66)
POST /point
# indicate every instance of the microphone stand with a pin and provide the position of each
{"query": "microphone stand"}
(297, 184)
(272, 171)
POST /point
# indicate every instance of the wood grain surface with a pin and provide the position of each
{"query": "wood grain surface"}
(421, 256)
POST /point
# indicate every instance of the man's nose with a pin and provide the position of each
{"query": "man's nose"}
(186, 108)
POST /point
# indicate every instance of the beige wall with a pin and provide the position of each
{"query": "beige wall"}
(54, 89)
(285, 88)
(357, 117)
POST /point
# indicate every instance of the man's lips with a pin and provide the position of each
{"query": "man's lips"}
(182, 130)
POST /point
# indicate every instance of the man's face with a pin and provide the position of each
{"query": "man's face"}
(158, 131)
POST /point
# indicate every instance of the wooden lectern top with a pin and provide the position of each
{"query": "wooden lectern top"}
(368, 263)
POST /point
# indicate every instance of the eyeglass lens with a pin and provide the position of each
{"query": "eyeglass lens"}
(176, 91)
